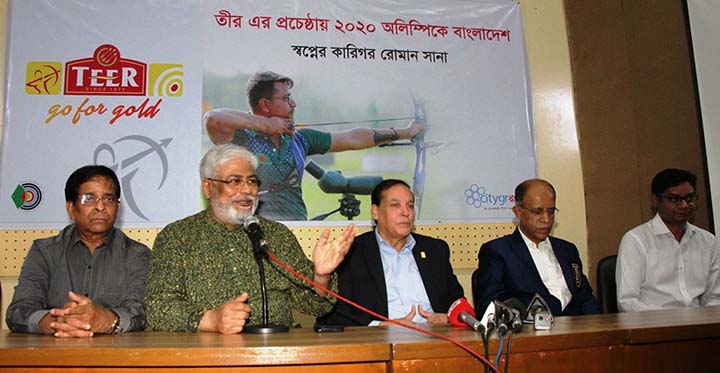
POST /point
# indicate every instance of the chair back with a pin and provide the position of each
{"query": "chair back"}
(606, 289)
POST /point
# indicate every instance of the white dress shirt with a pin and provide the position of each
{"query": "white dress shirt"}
(549, 268)
(655, 271)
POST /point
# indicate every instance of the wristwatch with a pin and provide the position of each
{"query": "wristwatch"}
(115, 327)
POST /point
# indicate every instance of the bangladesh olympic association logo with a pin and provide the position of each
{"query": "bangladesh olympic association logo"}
(27, 196)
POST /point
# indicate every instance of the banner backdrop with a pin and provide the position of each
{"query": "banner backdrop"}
(125, 84)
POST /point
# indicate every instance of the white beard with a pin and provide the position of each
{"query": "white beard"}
(228, 214)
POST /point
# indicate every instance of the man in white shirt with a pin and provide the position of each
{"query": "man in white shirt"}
(668, 262)
(530, 261)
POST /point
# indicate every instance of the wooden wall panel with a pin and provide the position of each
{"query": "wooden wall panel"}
(636, 111)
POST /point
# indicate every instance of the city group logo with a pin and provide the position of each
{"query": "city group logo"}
(105, 73)
(27, 196)
(478, 197)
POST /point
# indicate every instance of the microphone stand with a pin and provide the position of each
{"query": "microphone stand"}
(265, 327)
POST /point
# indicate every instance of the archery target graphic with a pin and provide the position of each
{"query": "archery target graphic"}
(166, 79)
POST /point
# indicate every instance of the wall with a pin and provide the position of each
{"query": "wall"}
(636, 109)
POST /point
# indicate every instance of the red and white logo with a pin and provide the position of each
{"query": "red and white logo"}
(106, 74)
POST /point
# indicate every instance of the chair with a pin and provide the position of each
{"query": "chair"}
(606, 289)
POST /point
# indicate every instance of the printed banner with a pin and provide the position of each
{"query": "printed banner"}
(460, 67)
(126, 84)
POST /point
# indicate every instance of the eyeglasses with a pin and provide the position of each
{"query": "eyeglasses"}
(236, 182)
(89, 199)
(286, 98)
(539, 210)
(675, 199)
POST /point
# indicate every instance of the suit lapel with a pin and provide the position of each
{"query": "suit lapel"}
(522, 252)
(374, 264)
(564, 264)
(423, 261)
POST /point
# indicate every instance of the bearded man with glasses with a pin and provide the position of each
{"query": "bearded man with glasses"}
(669, 262)
(203, 277)
(88, 279)
(530, 261)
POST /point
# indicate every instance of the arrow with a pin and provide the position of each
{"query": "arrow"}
(303, 125)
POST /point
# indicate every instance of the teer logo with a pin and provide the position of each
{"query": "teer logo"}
(43, 78)
(105, 73)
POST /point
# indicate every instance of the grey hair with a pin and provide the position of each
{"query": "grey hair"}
(219, 154)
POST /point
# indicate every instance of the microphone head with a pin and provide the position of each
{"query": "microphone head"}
(537, 306)
(251, 223)
(517, 305)
(459, 306)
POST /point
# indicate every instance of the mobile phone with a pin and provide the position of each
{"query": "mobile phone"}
(328, 328)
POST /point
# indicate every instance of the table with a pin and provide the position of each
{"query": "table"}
(684, 340)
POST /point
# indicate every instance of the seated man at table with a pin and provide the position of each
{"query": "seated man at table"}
(88, 279)
(530, 261)
(668, 262)
(203, 276)
(396, 273)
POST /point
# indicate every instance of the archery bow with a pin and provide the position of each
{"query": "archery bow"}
(420, 117)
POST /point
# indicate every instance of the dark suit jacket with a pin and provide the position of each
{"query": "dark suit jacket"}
(361, 279)
(506, 270)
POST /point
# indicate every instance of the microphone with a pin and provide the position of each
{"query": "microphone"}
(518, 310)
(335, 182)
(251, 225)
(507, 316)
(488, 318)
(461, 314)
(539, 313)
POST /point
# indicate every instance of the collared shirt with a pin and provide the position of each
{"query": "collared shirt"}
(655, 271)
(113, 276)
(549, 269)
(403, 282)
(280, 171)
(198, 264)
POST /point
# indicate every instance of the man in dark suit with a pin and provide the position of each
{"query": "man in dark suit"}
(398, 274)
(529, 261)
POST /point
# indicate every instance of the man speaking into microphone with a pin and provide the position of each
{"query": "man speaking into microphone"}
(203, 276)
(401, 275)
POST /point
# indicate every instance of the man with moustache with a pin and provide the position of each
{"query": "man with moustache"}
(668, 262)
(401, 275)
(88, 279)
(203, 277)
(270, 133)
(530, 261)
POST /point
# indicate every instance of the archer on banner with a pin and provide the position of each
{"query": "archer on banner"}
(353, 64)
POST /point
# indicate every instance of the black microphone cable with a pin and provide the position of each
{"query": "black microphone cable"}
(507, 351)
(485, 336)
(381, 317)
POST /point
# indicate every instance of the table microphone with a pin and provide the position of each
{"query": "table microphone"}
(461, 314)
(251, 225)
